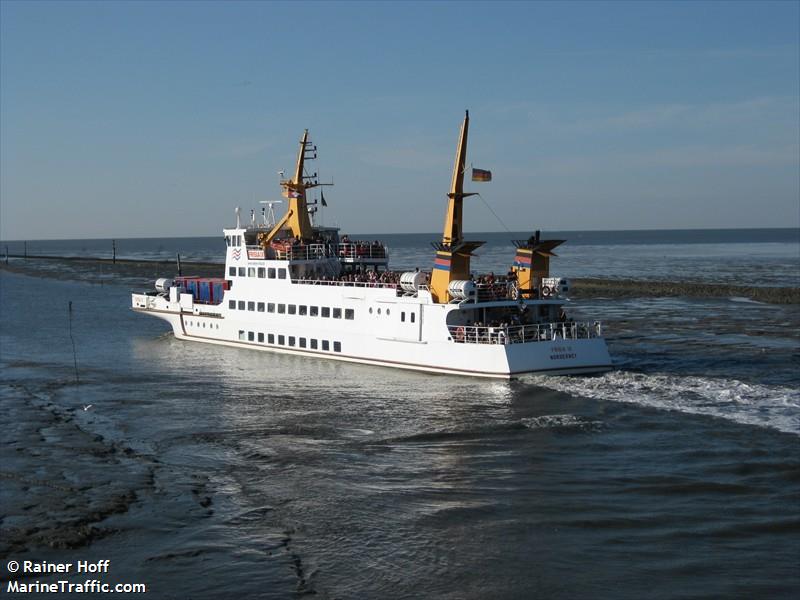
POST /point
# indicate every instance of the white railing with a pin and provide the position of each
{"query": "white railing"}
(487, 292)
(350, 252)
(353, 251)
(521, 334)
(301, 251)
(361, 284)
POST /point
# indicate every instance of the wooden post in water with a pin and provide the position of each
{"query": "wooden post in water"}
(179, 265)
(114, 252)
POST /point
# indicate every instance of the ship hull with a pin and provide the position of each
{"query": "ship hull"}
(379, 347)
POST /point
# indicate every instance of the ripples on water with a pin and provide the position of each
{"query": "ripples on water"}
(201, 469)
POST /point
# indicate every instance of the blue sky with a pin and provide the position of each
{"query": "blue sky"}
(156, 119)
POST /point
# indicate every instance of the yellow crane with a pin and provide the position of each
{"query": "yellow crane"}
(296, 220)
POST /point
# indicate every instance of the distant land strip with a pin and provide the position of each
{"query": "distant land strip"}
(582, 288)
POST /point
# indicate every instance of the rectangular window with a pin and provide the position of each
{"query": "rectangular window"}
(325, 345)
(281, 340)
(261, 338)
(262, 272)
(302, 309)
(412, 316)
(232, 304)
(251, 271)
(281, 273)
(302, 342)
(271, 273)
(313, 311)
(337, 346)
(291, 340)
(232, 271)
(251, 336)
(349, 314)
(251, 306)
(270, 307)
(402, 317)
(326, 312)
(242, 272)
(260, 307)
(271, 338)
(281, 308)
(241, 304)
(337, 313)
(292, 309)
(241, 334)
(227, 240)
(313, 344)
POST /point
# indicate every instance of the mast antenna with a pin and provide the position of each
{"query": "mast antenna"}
(269, 219)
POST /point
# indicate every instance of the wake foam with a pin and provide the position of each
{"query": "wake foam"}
(776, 407)
(561, 422)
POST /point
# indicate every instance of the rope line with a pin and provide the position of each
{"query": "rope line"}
(499, 220)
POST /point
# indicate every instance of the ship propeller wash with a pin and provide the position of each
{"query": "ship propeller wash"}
(294, 287)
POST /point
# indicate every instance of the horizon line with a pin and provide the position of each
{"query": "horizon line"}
(793, 227)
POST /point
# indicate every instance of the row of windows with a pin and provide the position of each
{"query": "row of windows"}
(260, 272)
(202, 324)
(299, 342)
(233, 240)
(413, 316)
(293, 309)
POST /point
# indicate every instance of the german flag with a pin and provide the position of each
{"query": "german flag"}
(481, 175)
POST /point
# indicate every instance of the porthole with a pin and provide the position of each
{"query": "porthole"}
(379, 311)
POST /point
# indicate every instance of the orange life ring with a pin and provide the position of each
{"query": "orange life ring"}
(545, 291)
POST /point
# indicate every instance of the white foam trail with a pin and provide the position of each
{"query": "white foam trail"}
(558, 422)
(752, 404)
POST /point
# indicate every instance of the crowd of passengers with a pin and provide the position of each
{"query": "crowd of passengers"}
(492, 279)
(360, 247)
(506, 327)
(499, 283)
(383, 278)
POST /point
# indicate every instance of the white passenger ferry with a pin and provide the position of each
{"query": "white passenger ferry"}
(297, 288)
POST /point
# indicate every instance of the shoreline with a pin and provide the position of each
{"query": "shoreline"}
(583, 287)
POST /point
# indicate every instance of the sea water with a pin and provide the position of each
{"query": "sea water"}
(208, 472)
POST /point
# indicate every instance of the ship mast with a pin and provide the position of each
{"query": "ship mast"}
(453, 253)
(296, 219)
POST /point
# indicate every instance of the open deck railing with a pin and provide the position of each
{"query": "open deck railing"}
(348, 252)
(520, 334)
(302, 252)
(357, 251)
(361, 284)
(487, 292)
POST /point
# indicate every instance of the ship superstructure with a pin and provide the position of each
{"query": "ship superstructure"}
(295, 287)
